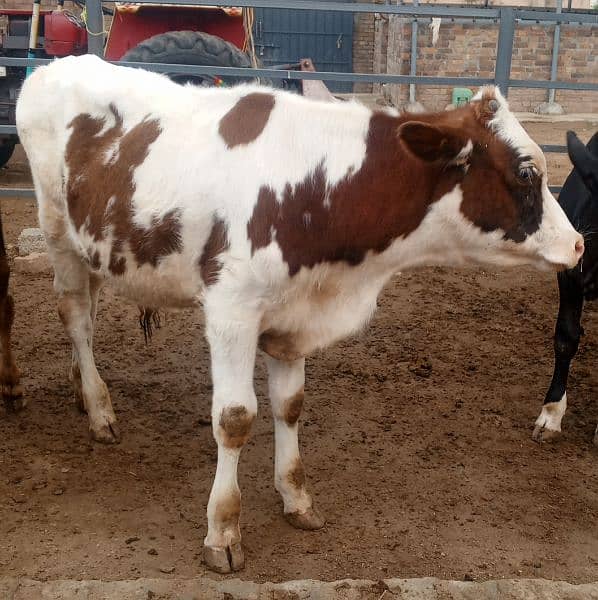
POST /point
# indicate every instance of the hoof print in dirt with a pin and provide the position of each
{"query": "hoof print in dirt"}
(423, 369)
(224, 560)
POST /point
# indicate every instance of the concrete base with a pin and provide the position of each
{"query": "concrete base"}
(549, 108)
(308, 589)
(414, 107)
(33, 264)
(31, 240)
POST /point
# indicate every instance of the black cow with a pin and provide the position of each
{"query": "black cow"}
(579, 199)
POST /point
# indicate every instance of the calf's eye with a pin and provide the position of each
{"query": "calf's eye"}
(527, 173)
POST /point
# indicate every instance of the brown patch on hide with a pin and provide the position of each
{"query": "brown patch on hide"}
(217, 243)
(228, 510)
(293, 407)
(246, 120)
(281, 346)
(389, 196)
(100, 189)
(236, 422)
(296, 475)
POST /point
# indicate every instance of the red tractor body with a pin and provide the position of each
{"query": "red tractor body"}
(65, 35)
(131, 25)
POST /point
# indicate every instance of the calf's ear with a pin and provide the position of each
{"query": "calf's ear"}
(431, 143)
(584, 161)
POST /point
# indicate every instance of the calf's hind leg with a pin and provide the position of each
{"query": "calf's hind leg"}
(95, 284)
(72, 283)
(285, 384)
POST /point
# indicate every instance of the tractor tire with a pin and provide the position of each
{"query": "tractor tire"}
(190, 48)
(7, 147)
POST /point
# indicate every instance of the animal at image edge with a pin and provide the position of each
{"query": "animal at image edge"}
(283, 216)
(579, 199)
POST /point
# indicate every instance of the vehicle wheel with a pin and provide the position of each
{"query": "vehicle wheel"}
(191, 48)
(7, 147)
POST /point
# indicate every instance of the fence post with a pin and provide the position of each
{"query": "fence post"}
(95, 27)
(555, 52)
(504, 52)
(413, 65)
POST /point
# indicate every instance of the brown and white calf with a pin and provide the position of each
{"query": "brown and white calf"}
(284, 217)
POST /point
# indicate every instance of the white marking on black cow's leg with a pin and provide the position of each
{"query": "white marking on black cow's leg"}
(233, 343)
(566, 341)
(72, 283)
(95, 285)
(285, 383)
(548, 423)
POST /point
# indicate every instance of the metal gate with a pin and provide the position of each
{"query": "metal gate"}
(285, 36)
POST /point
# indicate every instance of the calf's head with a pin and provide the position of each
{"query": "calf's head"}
(491, 186)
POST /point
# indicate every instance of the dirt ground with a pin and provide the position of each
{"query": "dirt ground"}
(416, 437)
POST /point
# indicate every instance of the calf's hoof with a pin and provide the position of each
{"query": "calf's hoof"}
(106, 433)
(310, 520)
(12, 395)
(543, 434)
(224, 560)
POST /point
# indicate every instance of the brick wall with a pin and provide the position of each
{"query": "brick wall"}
(365, 42)
(470, 49)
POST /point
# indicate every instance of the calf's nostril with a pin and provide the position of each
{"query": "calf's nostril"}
(579, 247)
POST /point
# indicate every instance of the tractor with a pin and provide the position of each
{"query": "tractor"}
(148, 33)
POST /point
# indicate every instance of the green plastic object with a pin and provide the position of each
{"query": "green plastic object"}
(461, 96)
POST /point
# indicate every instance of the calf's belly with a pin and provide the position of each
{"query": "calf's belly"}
(173, 283)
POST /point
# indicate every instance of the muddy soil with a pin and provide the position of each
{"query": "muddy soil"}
(416, 437)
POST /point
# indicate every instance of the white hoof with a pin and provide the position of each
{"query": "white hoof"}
(548, 424)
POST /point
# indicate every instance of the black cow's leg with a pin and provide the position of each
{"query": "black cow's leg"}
(566, 342)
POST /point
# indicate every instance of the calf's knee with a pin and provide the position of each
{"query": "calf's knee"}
(234, 426)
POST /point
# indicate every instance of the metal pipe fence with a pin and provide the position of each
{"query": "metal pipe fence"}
(506, 17)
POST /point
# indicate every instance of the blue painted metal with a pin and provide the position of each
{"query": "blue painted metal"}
(413, 64)
(555, 53)
(327, 76)
(504, 51)
(285, 36)
(95, 27)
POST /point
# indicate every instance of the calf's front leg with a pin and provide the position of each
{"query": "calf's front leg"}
(566, 342)
(285, 383)
(234, 407)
